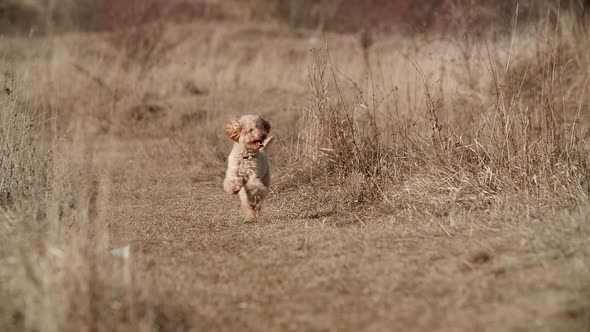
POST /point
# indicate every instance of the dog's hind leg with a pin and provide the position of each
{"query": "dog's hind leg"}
(248, 205)
(257, 204)
(257, 189)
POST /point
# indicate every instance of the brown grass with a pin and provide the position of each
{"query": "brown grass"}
(418, 184)
(508, 149)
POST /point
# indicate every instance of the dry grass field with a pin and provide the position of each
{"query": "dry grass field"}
(421, 181)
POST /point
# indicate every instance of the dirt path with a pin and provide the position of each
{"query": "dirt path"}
(295, 271)
(214, 272)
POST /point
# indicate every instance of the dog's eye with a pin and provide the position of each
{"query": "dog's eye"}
(250, 130)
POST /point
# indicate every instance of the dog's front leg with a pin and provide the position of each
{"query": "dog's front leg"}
(232, 184)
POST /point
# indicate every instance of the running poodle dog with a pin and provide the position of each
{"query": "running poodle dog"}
(248, 168)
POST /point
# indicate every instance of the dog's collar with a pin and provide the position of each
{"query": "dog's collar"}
(249, 155)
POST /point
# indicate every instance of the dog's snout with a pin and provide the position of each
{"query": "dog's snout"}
(260, 135)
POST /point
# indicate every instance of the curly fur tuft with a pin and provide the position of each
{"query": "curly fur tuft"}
(233, 129)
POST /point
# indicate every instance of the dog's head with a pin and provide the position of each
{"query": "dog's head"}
(250, 131)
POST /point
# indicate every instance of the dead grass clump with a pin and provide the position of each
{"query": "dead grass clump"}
(332, 133)
(24, 172)
(338, 143)
(552, 80)
(496, 160)
(58, 272)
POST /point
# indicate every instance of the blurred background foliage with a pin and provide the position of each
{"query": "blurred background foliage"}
(39, 17)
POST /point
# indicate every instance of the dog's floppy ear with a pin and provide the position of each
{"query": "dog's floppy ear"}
(233, 129)
(266, 125)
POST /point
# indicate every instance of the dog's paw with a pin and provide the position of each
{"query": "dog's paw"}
(232, 186)
(236, 186)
